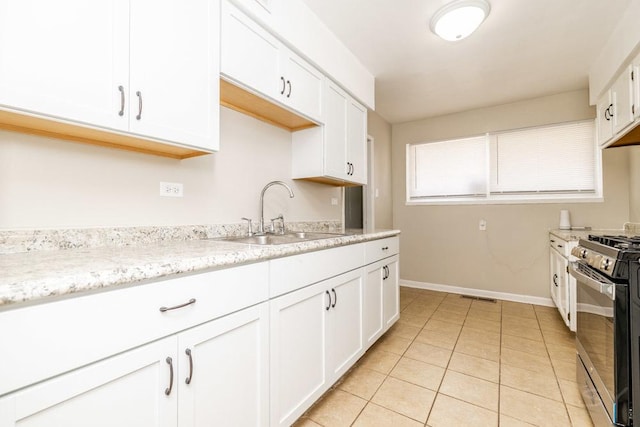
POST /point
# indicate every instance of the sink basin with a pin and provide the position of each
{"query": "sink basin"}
(280, 239)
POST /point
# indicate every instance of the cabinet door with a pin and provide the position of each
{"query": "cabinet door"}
(128, 390)
(560, 284)
(249, 55)
(303, 91)
(174, 89)
(605, 118)
(344, 343)
(622, 98)
(391, 293)
(357, 142)
(298, 341)
(335, 129)
(372, 326)
(65, 59)
(227, 367)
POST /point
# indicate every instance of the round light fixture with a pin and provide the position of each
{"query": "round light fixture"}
(460, 18)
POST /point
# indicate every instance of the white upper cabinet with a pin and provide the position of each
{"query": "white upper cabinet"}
(253, 58)
(173, 86)
(65, 59)
(337, 152)
(144, 68)
(615, 108)
(605, 118)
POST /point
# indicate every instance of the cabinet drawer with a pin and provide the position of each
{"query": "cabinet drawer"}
(295, 272)
(44, 340)
(561, 245)
(379, 249)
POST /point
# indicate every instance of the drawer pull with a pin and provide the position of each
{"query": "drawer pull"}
(188, 379)
(384, 248)
(191, 301)
(167, 391)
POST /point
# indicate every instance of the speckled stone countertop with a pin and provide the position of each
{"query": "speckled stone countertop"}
(575, 235)
(33, 276)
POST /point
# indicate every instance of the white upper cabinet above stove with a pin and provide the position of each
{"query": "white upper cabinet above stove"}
(616, 108)
(142, 69)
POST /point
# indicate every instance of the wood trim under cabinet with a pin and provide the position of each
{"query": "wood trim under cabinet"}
(24, 123)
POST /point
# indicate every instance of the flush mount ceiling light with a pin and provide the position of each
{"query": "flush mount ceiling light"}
(460, 18)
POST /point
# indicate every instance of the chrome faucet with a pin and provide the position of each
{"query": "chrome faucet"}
(261, 226)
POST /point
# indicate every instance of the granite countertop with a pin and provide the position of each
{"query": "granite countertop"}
(33, 276)
(575, 235)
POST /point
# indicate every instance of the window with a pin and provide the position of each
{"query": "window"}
(545, 164)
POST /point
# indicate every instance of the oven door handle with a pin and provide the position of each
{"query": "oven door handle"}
(604, 288)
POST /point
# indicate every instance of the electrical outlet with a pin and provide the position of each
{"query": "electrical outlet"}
(482, 226)
(171, 189)
(334, 201)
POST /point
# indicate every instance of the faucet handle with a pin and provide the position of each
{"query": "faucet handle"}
(250, 231)
(281, 218)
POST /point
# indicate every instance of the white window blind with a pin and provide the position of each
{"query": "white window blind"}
(551, 159)
(456, 168)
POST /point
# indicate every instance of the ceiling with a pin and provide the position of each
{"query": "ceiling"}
(524, 49)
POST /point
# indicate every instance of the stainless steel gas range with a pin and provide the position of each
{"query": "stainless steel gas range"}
(608, 327)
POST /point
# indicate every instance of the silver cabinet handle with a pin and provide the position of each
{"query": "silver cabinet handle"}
(121, 112)
(191, 301)
(188, 379)
(139, 116)
(335, 298)
(167, 391)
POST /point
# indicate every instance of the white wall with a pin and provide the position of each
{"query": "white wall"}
(442, 244)
(380, 131)
(48, 183)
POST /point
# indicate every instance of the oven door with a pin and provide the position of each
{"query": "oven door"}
(602, 342)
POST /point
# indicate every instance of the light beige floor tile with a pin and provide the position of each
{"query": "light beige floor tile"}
(454, 308)
(470, 389)
(475, 366)
(531, 362)
(476, 313)
(393, 344)
(417, 309)
(417, 321)
(552, 325)
(438, 338)
(379, 360)
(405, 398)
(562, 353)
(418, 373)
(403, 330)
(579, 416)
(448, 412)
(507, 421)
(558, 338)
(337, 408)
(523, 344)
(442, 326)
(428, 353)
(478, 348)
(487, 306)
(377, 416)
(457, 299)
(521, 331)
(571, 393)
(305, 422)
(545, 309)
(533, 409)
(362, 382)
(518, 309)
(449, 316)
(482, 325)
(526, 380)
(520, 321)
(565, 370)
(470, 334)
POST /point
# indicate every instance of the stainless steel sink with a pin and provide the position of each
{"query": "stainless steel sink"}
(280, 239)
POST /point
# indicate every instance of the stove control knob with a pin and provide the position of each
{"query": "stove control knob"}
(583, 253)
(606, 263)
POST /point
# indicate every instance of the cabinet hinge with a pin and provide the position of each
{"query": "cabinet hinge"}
(631, 75)
(633, 109)
(566, 268)
(569, 316)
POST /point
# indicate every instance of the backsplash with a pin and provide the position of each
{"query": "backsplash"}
(632, 228)
(13, 241)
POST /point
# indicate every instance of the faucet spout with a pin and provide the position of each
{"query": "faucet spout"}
(272, 183)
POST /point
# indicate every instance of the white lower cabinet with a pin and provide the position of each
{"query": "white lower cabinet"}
(380, 299)
(212, 374)
(316, 335)
(128, 390)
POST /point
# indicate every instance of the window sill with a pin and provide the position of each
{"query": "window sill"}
(525, 200)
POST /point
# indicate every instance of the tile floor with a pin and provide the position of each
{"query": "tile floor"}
(451, 361)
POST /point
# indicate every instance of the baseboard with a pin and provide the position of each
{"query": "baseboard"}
(527, 299)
